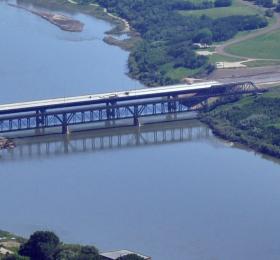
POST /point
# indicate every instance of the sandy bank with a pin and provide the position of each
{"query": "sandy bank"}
(63, 22)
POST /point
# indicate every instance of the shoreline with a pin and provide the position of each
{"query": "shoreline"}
(119, 28)
(61, 21)
(240, 143)
(250, 122)
(120, 25)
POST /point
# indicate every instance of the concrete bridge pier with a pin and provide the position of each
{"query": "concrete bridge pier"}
(136, 121)
(172, 105)
(65, 127)
(40, 118)
(136, 116)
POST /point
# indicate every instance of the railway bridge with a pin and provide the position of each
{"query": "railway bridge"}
(109, 108)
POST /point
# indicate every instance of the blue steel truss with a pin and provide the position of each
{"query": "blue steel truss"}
(113, 110)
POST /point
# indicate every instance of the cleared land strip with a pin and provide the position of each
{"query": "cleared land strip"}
(259, 75)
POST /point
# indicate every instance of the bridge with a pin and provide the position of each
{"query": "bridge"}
(104, 110)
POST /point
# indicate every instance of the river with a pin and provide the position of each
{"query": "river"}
(172, 191)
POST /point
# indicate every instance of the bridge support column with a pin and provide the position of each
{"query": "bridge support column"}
(136, 121)
(40, 118)
(136, 116)
(65, 128)
(172, 106)
(37, 119)
(110, 110)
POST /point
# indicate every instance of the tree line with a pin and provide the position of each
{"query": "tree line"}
(46, 245)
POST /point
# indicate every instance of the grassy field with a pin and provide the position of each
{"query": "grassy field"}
(261, 63)
(217, 58)
(181, 72)
(264, 47)
(178, 73)
(237, 8)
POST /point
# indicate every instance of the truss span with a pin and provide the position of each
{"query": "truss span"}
(113, 107)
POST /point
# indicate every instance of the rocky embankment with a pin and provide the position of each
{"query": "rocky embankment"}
(63, 22)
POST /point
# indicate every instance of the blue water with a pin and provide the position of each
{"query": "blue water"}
(174, 199)
(38, 60)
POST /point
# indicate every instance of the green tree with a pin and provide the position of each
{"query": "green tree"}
(203, 36)
(277, 8)
(41, 245)
(88, 253)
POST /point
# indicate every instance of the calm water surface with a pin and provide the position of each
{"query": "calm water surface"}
(38, 60)
(171, 191)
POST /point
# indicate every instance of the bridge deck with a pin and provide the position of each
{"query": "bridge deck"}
(115, 107)
(106, 97)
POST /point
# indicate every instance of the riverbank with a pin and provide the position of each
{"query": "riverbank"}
(253, 121)
(161, 52)
(212, 122)
(63, 22)
(120, 25)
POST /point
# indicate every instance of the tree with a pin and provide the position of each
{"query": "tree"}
(41, 245)
(268, 3)
(223, 3)
(203, 36)
(88, 253)
(269, 13)
(277, 9)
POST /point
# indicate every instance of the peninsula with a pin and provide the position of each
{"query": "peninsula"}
(63, 22)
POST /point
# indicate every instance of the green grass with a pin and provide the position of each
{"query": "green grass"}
(261, 63)
(273, 93)
(263, 47)
(236, 8)
(218, 58)
(180, 73)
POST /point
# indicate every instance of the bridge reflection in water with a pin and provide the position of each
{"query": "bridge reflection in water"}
(109, 139)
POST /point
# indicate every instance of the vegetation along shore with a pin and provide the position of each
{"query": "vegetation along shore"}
(165, 53)
(162, 49)
(253, 121)
(46, 245)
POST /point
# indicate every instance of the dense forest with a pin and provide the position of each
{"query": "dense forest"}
(168, 37)
(253, 121)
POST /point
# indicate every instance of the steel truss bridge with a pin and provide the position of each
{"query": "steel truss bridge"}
(107, 140)
(109, 108)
